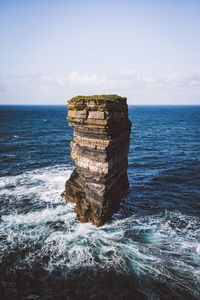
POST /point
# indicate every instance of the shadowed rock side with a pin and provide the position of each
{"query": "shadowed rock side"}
(100, 151)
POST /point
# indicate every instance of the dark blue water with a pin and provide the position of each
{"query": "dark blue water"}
(151, 248)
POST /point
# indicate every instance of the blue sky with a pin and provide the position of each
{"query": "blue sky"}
(147, 50)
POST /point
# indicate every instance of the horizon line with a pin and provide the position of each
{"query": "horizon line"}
(131, 104)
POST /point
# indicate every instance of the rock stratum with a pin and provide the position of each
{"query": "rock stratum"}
(100, 151)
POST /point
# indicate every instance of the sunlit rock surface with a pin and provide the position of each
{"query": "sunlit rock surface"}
(100, 151)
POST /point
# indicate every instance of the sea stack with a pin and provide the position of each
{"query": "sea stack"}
(100, 151)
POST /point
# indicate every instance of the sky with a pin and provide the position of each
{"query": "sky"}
(145, 50)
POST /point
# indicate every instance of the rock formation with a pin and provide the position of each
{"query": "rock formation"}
(99, 149)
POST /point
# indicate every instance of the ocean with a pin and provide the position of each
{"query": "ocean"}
(151, 247)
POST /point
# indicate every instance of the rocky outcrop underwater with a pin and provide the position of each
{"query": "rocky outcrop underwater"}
(100, 151)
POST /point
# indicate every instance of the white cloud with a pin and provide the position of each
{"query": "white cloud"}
(122, 80)
(130, 83)
(131, 79)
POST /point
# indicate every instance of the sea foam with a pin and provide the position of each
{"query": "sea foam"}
(46, 232)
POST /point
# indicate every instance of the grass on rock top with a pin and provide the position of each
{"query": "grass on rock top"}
(114, 98)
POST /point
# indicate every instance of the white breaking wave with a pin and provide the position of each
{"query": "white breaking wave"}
(162, 246)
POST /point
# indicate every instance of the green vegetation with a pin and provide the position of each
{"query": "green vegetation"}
(114, 98)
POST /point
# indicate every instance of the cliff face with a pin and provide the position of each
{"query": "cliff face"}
(99, 149)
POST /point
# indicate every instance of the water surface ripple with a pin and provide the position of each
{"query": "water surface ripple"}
(151, 247)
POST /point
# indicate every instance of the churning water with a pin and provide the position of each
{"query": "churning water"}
(151, 247)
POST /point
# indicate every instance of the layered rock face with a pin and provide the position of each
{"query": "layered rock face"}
(100, 150)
